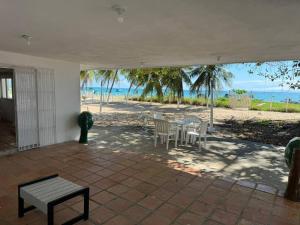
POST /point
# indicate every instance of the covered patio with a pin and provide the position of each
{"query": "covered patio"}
(129, 187)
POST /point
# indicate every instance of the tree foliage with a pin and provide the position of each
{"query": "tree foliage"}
(287, 73)
(86, 76)
(210, 78)
(174, 80)
(165, 80)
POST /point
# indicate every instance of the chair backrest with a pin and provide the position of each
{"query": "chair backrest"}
(141, 115)
(203, 127)
(161, 126)
(158, 115)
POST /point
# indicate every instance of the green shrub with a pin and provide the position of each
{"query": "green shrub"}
(222, 102)
(256, 104)
(239, 91)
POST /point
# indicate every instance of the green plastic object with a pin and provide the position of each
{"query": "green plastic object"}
(85, 121)
(289, 150)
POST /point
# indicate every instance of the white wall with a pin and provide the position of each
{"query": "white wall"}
(67, 92)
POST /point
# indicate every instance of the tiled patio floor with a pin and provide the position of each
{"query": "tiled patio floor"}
(137, 188)
(222, 156)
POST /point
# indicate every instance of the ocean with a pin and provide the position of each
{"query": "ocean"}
(276, 96)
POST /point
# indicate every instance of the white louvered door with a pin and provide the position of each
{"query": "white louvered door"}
(35, 107)
(46, 106)
(26, 108)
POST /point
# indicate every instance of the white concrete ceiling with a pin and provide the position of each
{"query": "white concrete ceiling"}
(155, 32)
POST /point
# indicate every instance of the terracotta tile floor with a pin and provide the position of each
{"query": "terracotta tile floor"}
(139, 188)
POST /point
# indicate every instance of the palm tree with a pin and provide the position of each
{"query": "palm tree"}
(210, 77)
(151, 80)
(113, 74)
(160, 80)
(101, 77)
(134, 77)
(107, 77)
(85, 77)
(174, 79)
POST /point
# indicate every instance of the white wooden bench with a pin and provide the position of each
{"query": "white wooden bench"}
(47, 192)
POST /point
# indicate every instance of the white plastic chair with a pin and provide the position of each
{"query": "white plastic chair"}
(186, 120)
(194, 132)
(143, 119)
(165, 130)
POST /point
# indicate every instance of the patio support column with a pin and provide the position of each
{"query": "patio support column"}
(211, 119)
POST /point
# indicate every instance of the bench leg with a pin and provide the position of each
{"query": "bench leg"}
(84, 216)
(50, 215)
(20, 207)
(86, 204)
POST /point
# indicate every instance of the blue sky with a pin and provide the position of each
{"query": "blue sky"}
(242, 80)
(252, 82)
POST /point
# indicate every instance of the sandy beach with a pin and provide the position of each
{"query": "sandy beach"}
(220, 114)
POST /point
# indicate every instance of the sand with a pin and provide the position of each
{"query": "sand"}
(220, 114)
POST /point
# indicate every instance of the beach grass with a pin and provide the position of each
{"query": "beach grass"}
(274, 106)
(223, 102)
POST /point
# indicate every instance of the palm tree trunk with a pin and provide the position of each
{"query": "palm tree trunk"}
(113, 82)
(135, 90)
(130, 86)
(106, 90)
(82, 98)
(107, 86)
(206, 98)
(83, 82)
(82, 85)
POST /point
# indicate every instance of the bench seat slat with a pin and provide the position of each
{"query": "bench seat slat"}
(52, 189)
(40, 194)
